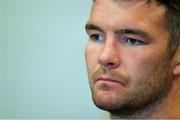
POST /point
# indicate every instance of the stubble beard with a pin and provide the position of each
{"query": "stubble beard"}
(141, 95)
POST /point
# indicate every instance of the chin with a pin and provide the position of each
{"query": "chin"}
(113, 101)
(116, 105)
(107, 100)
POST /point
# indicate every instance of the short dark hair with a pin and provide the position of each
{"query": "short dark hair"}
(172, 22)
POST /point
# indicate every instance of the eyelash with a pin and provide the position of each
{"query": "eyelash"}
(94, 37)
(128, 40)
(136, 42)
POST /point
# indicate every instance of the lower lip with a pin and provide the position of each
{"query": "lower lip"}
(109, 85)
(110, 82)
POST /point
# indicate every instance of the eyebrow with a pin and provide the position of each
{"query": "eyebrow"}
(92, 27)
(132, 31)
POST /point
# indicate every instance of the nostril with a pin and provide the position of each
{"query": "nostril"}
(110, 64)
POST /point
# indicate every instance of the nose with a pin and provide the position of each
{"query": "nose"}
(110, 56)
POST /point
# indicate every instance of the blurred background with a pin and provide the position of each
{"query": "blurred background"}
(43, 72)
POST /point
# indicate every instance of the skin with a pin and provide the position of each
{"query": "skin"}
(130, 73)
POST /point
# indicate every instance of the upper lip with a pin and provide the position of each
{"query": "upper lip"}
(110, 79)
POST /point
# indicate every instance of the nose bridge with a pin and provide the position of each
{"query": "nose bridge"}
(110, 48)
(110, 57)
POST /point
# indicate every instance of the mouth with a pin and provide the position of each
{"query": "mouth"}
(110, 81)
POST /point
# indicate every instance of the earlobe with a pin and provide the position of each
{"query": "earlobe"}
(176, 70)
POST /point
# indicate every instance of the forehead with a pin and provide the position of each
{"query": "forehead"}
(124, 13)
(114, 9)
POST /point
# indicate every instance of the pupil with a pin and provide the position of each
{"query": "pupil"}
(132, 41)
(97, 37)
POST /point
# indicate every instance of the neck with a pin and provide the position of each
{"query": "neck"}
(167, 107)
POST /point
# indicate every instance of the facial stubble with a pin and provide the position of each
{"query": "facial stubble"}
(139, 95)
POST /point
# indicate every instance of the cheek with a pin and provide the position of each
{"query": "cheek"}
(92, 55)
(143, 64)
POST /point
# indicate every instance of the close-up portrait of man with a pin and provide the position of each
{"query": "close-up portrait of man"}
(133, 57)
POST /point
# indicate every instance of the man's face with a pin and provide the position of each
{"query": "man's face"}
(126, 54)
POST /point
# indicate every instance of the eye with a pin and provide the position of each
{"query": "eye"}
(134, 42)
(97, 37)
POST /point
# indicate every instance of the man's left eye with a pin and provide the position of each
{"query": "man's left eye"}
(134, 42)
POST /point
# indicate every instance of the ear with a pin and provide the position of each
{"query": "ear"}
(176, 70)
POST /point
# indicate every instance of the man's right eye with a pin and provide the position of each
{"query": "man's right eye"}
(97, 37)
